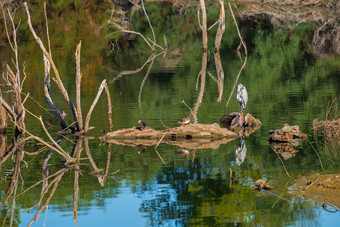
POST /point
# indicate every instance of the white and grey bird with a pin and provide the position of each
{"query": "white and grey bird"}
(240, 152)
(242, 96)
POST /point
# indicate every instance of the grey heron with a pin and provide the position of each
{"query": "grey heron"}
(240, 152)
(242, 96)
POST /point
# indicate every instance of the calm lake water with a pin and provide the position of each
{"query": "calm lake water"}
(286, 82)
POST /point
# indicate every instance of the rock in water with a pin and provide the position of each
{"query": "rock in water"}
(287, 134)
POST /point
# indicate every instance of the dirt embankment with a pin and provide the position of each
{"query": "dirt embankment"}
(290, 13)
(324, 189)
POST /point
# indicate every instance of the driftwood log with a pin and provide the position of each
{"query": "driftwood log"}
(193, 136)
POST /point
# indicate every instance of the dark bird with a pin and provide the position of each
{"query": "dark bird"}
(141, 149)
(242, 96)
(184, 121)
(240, 152)
(142, 125)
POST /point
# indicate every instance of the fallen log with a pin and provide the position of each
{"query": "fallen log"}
(192, 136)
(182, 143)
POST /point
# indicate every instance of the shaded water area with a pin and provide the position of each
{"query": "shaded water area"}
(289, 79)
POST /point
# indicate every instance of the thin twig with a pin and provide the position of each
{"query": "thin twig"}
(214, 24)
(192, 113)
(47, 33)
(313, 181)
(164, 124)
(109, 106)
(246, 53)
(142, 85)
(88, 117)
(204, 26)
(56, 147)
(38, 182)
(153, 32)
(157, 146)
(137, 33)
(317, 155)
(282, 163)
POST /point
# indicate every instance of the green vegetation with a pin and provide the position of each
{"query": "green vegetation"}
(286, 83)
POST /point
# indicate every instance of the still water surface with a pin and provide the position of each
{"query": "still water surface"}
(284, 86)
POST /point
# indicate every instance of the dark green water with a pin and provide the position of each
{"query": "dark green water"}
(286, 83)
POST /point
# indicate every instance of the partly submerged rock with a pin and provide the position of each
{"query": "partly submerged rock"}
(263, 184)
(287, 134)
(240, 124)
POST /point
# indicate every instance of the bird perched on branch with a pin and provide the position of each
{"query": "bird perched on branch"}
(142, 125)
(242, 96)
(184, 121)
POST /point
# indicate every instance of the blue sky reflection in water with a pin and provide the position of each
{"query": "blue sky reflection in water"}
(285, 84)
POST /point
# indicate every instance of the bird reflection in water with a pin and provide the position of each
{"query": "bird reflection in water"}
(183, 152)
(240, 152)
(242, 96)
(141, 149)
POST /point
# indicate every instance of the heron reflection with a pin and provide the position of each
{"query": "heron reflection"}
(240, 152)
(242, 96)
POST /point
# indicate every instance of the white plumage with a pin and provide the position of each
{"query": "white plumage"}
(240, 152)
(242, 96)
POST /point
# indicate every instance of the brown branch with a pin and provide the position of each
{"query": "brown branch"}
(220, 76)
(47, 201)
(128, 72)
(47, 33)
(19, 109)
(49, 57)
(109, 106)
(221, 27)
(201, 92)
(96, 170)
(204, 26)
(137, 33)
(88, 117)
(153, 32)
(78, 83)
(142, 84)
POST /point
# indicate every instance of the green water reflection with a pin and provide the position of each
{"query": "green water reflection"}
(286, 83)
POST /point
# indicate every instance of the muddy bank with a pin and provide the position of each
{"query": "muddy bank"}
(324, 188)
(289, 14)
